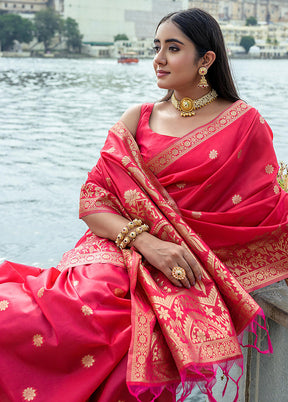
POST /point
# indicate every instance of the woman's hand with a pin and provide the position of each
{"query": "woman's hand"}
(165, 255)
(162, 255)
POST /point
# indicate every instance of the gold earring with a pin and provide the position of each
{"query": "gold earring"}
(203, 82)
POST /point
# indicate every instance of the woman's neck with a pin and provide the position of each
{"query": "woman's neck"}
(194, 93)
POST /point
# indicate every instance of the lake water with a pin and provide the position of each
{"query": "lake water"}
(55, 114)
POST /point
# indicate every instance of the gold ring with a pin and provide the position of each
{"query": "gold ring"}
(178, 273)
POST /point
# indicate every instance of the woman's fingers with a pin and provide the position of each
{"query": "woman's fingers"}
(194, 265)
(165, 256)
(187, 277)
(192, 270)
(172, 279)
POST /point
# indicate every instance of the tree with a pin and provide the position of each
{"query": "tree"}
(120, 37)
(47, 23)
(247, 42)
(14, 27)
(251, 21)
(61, 29)
(72, 34)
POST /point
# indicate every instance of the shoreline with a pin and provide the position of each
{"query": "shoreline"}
(86, 56)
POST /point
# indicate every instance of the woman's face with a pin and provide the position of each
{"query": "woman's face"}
(176, 62)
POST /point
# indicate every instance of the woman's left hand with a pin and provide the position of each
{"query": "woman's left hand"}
(169, 258)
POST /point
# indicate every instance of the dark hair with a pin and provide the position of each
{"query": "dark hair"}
(204, 31)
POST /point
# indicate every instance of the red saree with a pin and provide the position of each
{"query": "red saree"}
(214, 191)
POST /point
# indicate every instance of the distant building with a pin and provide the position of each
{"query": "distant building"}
(58, 5)
(138, 17)
(30, 7)
(262, 10)
(240, 10)
(211, 6)
(99, 21)
(27, 7)
(270, 34)
(22, 6)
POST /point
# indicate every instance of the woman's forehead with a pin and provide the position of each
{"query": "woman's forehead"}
(168, 30)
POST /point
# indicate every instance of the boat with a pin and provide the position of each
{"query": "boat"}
(128, 58)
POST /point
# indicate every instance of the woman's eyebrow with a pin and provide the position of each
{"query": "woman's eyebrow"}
(169, 40)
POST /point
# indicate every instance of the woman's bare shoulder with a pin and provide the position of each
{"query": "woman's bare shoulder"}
(160, 106)
(131, 118)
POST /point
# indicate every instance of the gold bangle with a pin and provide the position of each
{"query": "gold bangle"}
(135, 222)
(138, 231)
(141, 229)
(125, 231)
(123, 241)
(132, 235)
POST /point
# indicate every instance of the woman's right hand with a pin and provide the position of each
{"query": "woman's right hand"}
(165, 255)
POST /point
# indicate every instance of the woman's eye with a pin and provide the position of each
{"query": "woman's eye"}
(173, 49)
(156, 49)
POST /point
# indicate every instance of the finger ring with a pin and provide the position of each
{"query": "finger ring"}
(178, 273)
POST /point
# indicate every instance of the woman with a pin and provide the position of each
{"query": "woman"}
(185, 218)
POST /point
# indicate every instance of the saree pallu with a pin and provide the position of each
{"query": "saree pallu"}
(214, 187)
(107, 321)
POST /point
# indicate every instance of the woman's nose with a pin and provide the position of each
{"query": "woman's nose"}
(160, 58)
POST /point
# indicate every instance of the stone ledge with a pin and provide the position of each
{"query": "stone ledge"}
(274, 301)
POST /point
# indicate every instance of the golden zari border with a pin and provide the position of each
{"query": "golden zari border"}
(196, 137)
(94, 198)
(93, 250)
(140, 170)
(258, 263)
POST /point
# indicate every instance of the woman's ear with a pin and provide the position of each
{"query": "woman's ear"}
(208, 59)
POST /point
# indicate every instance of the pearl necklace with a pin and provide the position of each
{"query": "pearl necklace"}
(187, 105)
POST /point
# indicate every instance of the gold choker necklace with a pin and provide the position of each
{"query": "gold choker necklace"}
(187, 105)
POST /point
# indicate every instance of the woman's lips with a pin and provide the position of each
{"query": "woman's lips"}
(161, 73)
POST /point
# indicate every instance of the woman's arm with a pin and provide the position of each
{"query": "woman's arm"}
(160, 254)
(105, 225)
